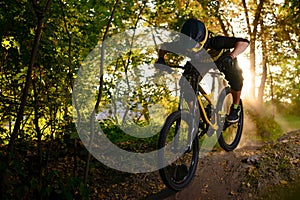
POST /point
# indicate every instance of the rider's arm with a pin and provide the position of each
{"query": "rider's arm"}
(238, 45)
(239, 48)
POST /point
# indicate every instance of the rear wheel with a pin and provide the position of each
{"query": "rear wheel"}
(229, 134)
(178, 150)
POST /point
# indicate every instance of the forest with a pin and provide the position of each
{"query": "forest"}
(47, 46)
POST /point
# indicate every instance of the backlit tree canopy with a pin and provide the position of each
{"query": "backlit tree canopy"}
(44, 43)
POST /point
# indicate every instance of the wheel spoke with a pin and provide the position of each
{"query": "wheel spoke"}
(229, 134)
(181, 158)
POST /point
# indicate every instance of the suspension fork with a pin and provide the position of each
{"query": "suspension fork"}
(191, 127)
(193, 120)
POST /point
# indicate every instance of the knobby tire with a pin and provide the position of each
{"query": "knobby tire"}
(169, 174)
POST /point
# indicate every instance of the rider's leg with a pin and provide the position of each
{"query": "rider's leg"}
(233, 116)
(235, 78)
(236, 95)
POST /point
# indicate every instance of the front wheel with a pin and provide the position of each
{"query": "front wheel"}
(229, 134)
(178, 150)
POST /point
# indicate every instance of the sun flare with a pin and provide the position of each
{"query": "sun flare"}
(244, 64)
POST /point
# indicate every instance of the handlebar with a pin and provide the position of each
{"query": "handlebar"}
(212, 73)
(191, 69)
(176, 66)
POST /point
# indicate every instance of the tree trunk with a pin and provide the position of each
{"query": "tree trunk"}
(263, 80)
(40, 19)
(39, 136)
(70, 76)
(38, 34)
(271, 85)
(252, 68)
(264, 65)
(87, 166)
(253, 35)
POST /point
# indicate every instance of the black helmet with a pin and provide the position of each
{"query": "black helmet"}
(196, 30)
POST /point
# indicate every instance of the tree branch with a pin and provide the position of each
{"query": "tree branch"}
(92, 116)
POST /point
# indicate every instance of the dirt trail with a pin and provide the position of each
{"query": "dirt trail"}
(251, 171)
(219, 176)
(219, 173)
(225, 175)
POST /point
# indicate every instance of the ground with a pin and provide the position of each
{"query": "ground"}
(231, 175)
(254, 171)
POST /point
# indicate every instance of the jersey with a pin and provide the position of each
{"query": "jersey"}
(219, 46)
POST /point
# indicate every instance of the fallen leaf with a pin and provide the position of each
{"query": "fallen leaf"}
(283, 182)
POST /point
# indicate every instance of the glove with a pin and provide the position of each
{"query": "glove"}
(161, 65)
(227, 62)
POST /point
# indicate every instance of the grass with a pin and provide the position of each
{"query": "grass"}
(117, 135)
(288, 122)
(271, 120)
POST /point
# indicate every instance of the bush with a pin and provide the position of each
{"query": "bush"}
(264, 119)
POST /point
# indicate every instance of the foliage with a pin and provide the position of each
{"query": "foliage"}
(117, 136)
(267, 127)
(283, 41)
(70, 30)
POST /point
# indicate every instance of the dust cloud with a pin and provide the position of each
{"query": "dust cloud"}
(254, 111)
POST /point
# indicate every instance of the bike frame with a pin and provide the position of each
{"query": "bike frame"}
(198, 109)
(199, 91)
(203, 93)
(211, 112)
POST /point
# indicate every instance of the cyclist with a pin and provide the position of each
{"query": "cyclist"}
(223, 50)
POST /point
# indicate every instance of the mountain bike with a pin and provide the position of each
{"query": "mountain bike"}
(196, 116)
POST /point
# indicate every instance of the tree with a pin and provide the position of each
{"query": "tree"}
(280, 51)
(252, 28)
(40, 12)
(44, 43)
